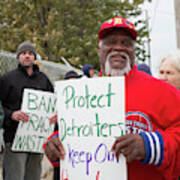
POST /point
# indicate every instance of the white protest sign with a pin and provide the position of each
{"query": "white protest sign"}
(91, 114)
(40, 106)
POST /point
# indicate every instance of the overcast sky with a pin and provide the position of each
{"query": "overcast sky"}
(163, 33)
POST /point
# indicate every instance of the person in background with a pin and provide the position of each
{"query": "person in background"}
(144, 67)
(20, 165)
(169, 69)
(88, 70)
(152, 140)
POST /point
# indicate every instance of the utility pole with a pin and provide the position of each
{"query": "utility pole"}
(177, 18)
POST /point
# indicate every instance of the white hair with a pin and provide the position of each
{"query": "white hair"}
(173, 57)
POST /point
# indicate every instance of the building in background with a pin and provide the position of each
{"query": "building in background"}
(162, 25)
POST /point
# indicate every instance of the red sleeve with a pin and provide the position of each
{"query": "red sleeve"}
(170, 118)
(171, 160)
(163, 144)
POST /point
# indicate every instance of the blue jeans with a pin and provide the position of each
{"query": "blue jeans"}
(20, 165)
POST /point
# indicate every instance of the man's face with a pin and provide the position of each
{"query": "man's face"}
(26, 58)
(116, 53)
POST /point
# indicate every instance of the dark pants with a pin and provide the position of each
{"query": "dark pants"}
(56, 173)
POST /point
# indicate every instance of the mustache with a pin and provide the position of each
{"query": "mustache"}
(124, 55)
(117, 72)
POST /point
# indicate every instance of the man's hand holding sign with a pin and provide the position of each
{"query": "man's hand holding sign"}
(20, 116)
(131, 146)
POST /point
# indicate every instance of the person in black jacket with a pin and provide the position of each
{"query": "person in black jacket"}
(20, 165)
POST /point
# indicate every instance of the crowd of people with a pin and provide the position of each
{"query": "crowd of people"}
(151, 147)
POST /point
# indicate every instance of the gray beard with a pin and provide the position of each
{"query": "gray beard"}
(109, 71)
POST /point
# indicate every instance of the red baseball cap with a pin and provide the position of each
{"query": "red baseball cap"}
(117, 22)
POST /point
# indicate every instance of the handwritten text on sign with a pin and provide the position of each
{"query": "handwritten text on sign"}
(91, 114)
(40, 106)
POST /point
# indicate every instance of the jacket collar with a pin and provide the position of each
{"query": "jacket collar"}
(132, 71)
(22, 69)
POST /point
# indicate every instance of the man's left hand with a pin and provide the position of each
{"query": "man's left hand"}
(131, 146)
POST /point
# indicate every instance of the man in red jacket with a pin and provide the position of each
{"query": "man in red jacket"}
(152, 141)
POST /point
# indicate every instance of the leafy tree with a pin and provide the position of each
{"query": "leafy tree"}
(66, 28)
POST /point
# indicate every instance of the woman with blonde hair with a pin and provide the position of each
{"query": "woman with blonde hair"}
(169, 69)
